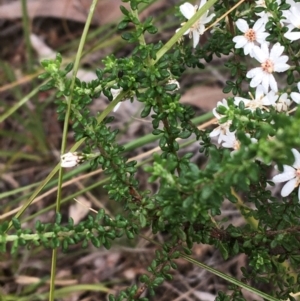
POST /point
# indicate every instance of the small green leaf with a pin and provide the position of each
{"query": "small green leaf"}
(223, 250)
(129, 234)
(236, 247)
(58, 218)
(96, 242)
(124, 11)
(143, 220)
(16, 223)
(122, 25)
(84, 243)
(158, 281)
(144, 278)
(65, 245)
(152, 29)
(127, 36)
(69, 67)
(146, 110)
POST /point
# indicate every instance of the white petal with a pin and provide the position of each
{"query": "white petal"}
(281, 67)
(292, 36)
(266, 82)
(272, 83)
(282, 59)
(285, 176)
(248, 49)
(196, 38)
(187, 32)
(295, 97)
(240, 41)
(201, 28)
(264, 17)
(261, 37)
(71, 159)
(253, 72)
(273, 96)
(67, 164)
(288, 187)
(242, 25)
(215, 132)
(266, 101)
(259, 92)
(276, 51)
(202, 2)
(265, 48)
(258, 24)
(297, 158)
(217, 115)
(187, 9)
(207, 19)
(224, 103)
(237, 100)
(257, 79)
(221, 138)
(259, 54)
(287, 168)
(294, 16)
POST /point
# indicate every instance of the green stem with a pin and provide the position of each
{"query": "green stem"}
(65, 133)
(26, 29)
(141, 37)
(29, 237)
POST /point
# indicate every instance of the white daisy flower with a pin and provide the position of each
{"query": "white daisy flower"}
(198, 28)
(251, 36)
(283, 103)
(270, 62)
(290, 174)
(260, 101)
(223, 128)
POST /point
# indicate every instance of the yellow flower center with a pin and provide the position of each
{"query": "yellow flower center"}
(250, 35)
(268, 66)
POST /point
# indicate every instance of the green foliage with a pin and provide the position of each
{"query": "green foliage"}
(189, 196)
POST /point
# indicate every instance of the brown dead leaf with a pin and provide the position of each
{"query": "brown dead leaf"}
(79, 209)
(76, 10)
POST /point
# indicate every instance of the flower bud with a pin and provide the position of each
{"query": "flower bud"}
(71, 159)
